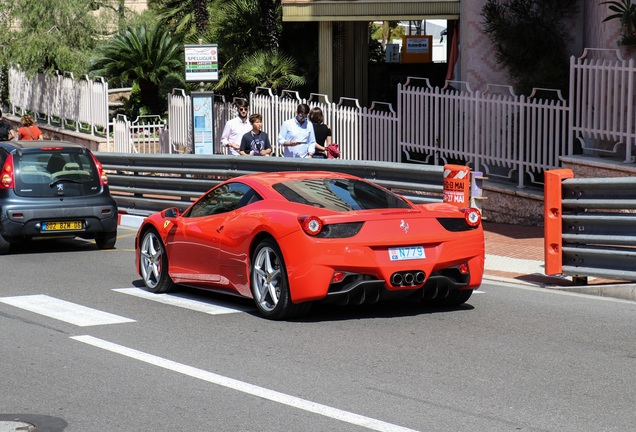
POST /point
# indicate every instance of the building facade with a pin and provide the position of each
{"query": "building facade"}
(343, 37)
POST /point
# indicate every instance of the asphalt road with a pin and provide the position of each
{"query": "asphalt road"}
(97, 357)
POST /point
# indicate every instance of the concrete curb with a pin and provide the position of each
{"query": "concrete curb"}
(623, 291)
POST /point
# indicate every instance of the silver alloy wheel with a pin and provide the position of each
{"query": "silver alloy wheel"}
(266, 278)
(151, 254)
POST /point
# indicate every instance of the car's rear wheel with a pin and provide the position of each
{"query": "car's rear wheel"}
(4, 246)
(269, 284)
(153, 263)
(106, 240)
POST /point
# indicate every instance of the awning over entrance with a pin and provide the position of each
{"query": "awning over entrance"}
(368, 10)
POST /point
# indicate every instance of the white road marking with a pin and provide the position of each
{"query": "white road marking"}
(62, 310)
(182, 301)
(244, 387)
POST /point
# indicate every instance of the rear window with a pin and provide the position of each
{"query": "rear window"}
(339, 194)
(55, 174)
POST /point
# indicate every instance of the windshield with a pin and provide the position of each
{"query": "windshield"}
(55, 174)
(340, 194)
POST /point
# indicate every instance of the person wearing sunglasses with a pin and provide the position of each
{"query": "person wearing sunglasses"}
(297, 136)
(235, 128)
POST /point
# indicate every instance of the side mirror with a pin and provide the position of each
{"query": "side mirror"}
(171, 212)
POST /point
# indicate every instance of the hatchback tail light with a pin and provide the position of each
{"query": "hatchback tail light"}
(7, 177)
(103, 178)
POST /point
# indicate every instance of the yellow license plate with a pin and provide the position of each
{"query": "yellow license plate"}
(63, 226)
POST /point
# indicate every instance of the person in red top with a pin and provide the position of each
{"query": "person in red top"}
(29, 130)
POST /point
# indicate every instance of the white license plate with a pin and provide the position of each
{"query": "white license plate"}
(406, 253)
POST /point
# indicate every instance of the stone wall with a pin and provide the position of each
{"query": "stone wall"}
(507, 204)
(590, 167)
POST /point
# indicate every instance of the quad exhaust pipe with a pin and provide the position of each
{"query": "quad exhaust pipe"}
(407, 278)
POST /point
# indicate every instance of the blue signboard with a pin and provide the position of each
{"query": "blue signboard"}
(203, 122)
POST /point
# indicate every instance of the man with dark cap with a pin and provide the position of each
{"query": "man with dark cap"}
(6, 129)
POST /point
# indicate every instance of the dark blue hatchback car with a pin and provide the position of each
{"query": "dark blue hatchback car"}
(53, 189)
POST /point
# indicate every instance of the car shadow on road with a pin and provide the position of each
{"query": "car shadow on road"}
(321, 311)
(53, 245)
(384, 310)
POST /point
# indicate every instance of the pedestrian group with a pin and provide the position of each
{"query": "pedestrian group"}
(27, 131)
(303, 136)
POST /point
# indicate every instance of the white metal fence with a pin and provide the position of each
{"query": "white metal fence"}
(494, 131)
(147, 134)
(61, 100)
(603, 103)
(497, 132)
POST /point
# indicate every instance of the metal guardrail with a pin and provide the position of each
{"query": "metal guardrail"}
(145, 183)
(590, 226)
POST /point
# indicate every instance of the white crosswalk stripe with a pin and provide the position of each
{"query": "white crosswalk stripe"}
(63, 310)
(183, 301)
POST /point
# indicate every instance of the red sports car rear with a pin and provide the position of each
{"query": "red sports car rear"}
(289, 239)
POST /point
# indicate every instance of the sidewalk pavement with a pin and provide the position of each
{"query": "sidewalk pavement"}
(514, 253)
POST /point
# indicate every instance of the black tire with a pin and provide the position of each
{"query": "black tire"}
(269, 284)
(5, 246)
(106, 240)
(454, 298)
(153, 263)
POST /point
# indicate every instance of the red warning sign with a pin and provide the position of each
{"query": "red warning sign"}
(457, 185)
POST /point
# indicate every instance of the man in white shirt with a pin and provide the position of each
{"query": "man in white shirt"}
(235, 128)
(297, 136)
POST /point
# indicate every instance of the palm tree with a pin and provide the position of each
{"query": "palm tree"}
(269, 69)
(625, 12)
(250, 54)
(271, 33)
(188, 18)
(146, 56)
(201, 15)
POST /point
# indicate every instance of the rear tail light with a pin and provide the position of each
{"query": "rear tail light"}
(103, 178)
(7, 177)
(312, 225)
(472, 216)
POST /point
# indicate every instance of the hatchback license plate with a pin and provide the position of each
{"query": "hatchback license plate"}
(63, 226)
(406, 253)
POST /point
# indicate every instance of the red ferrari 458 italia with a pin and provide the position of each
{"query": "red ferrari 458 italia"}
(288, 239)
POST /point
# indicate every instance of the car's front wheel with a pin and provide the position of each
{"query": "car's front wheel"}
(269, 285)
(153, 263)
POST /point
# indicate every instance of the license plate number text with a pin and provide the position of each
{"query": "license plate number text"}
(406, 253)
(62, 226)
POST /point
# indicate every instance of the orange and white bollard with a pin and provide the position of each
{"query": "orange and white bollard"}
(457, 185)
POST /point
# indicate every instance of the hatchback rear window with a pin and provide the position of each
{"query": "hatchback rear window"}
(55, 174)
